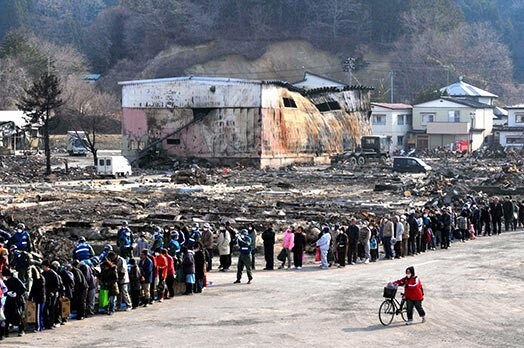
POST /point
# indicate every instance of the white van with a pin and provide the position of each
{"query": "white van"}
(113, 166)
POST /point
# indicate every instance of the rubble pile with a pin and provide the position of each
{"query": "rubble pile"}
(58, 212)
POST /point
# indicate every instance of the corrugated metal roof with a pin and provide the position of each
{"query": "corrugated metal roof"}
(516, 106)
(393, 106)
(463, 89)
(190, 78)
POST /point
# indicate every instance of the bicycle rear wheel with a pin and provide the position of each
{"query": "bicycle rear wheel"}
(386, 312)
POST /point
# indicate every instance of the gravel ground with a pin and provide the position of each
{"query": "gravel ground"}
(473, 299)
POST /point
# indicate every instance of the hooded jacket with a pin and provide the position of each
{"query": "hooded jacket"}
(412, 287)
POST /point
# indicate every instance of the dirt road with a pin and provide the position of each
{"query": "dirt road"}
(474, 299)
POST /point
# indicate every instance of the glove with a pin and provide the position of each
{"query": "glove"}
(11, 294)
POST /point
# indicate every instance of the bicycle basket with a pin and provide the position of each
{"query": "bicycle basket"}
(390, 292)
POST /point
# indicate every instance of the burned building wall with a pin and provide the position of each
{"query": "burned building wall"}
(215, 119)
(309, 129)
(253, 122)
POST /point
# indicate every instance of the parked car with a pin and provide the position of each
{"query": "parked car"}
(410, 165)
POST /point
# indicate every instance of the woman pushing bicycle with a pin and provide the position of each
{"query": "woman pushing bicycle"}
(413, 294)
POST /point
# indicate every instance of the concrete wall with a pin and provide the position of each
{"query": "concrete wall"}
(391, 128)
(504, 135)
(512, 122)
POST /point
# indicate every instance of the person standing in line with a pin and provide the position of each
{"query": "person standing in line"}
(398, 228)
(353, 235)
(200, 267)
(170, 280)
(288, 242)
(123, 280)
(496, 215)
(298, 248)
(14, 304)
(324, 243)
(188, 264)
(134, 283)
(252, 232)
(387, 235)
(223, 244)
(413, 293)
(125, 241)
(405, 237)
(244, 256)
(364, 237)
(268, 236)
(37, 295)
(207, 244)
(341, 246)
(146, 277)
(232, 243)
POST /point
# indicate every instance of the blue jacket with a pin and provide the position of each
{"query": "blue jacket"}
(146, 269)
(22, 240)
(194, 237)
(244, 244)
(173, 248)
(83, 251)
(125, 237)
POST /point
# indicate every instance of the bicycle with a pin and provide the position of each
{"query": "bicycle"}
(391, 307)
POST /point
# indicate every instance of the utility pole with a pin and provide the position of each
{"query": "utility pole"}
(391, 74)
(349, 66)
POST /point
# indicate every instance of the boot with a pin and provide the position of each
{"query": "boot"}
(189, 289)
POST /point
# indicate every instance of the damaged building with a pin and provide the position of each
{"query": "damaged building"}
(229, 121)
(16, 134)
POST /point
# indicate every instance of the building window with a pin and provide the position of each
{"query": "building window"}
(454, 116)
(400, 140)
(289, 103)
(173, 141)
(401, 120)
(428, 118)
(519, 140)
(519, 117)
(379, 120)
(328, 106)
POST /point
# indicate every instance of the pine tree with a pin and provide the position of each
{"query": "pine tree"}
(39, 102)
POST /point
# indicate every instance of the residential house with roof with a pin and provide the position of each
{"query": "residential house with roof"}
(393, 121)
(512, 134)
(16, 133)
(314, 81)
(462, 120)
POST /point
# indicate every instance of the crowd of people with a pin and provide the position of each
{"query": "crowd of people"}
(145, 268)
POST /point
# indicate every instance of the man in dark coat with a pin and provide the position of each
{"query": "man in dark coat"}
(508, 211)
(496, 215)
(88, 273)
(14, 304)
(353, 233)
(52, 294)
(268, 236)
(79, 291)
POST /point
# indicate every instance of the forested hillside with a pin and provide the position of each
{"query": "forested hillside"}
(422, 43)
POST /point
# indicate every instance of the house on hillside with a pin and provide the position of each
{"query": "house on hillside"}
(462, 120)
(229, 121)
(393, 121)
(512, 134)
(313, 81)
(16, 134)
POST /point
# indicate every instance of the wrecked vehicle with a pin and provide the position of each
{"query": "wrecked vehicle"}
(410, 165)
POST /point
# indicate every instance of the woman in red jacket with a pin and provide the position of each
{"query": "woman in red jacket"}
(413, 293)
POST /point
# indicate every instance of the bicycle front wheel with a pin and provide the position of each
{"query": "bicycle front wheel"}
(404, 312)
(386, 313)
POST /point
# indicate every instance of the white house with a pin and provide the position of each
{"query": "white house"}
(393, 121)
(513, 133)
(312, 81)
(451, 122)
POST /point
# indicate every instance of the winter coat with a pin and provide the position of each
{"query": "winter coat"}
(399, 231)
(13, 308)
(161, 265)
(207, 239)
(508, 209)
(200, 264)
(224, 238)
(80, 280)
(134, 278)
(496, 210)
(288, 241)
(121, 268)
(387, 229)
(109, 279)
(52, 282)
(88, 274)
(412, 288)
(188, 263)
(364, 234)
(405, 235)
(324, 242)
(253, 235)
(300, 243)
(268, 236)
(353, 233)
(146, 270)
(37, 293)
(170, 265)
